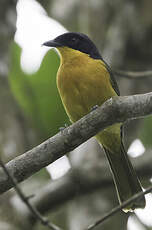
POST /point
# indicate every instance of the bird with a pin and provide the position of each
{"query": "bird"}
(84, 81)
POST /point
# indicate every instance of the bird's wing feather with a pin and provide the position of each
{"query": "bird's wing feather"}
(112, 79)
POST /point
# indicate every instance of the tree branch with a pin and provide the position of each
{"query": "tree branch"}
(133, 74)
(120, 207)
(30, 207)
(118, 109)
(74, 183)
(77, 182)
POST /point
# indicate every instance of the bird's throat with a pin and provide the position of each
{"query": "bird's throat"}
(69, 55)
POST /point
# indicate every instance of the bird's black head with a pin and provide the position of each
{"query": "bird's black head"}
(77, 41)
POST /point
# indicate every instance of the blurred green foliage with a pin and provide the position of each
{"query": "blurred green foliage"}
(37, 93)
(146, 132)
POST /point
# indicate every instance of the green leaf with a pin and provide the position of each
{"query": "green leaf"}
(37, 93)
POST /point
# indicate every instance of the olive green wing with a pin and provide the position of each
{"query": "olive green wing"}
(112, 79)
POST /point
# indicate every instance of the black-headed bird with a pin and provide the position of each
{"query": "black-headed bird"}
(84, 80)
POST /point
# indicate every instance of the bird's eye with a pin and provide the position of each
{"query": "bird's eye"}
(74, 40)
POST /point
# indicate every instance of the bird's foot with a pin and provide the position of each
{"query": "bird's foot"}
(94, 107)
(62, 128)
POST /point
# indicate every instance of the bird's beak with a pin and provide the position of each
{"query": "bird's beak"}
(52, 43)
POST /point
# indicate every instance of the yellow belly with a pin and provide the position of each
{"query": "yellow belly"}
(83, 85)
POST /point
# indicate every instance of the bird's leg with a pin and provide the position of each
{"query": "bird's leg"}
(94, 107)
(62, 128)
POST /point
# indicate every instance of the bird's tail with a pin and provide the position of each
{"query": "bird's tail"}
(125, 178)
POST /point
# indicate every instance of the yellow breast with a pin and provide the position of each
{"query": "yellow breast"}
(82, 82)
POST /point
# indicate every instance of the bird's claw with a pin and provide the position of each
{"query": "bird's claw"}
(62, 128)
(94, 107)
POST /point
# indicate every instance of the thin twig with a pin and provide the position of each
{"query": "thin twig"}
(119, 207)
(25, 199)
(57, 192)
(133, 74)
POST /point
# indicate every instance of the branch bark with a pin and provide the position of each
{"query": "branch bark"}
(117, 109)
(78, 182)
(133, 74)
